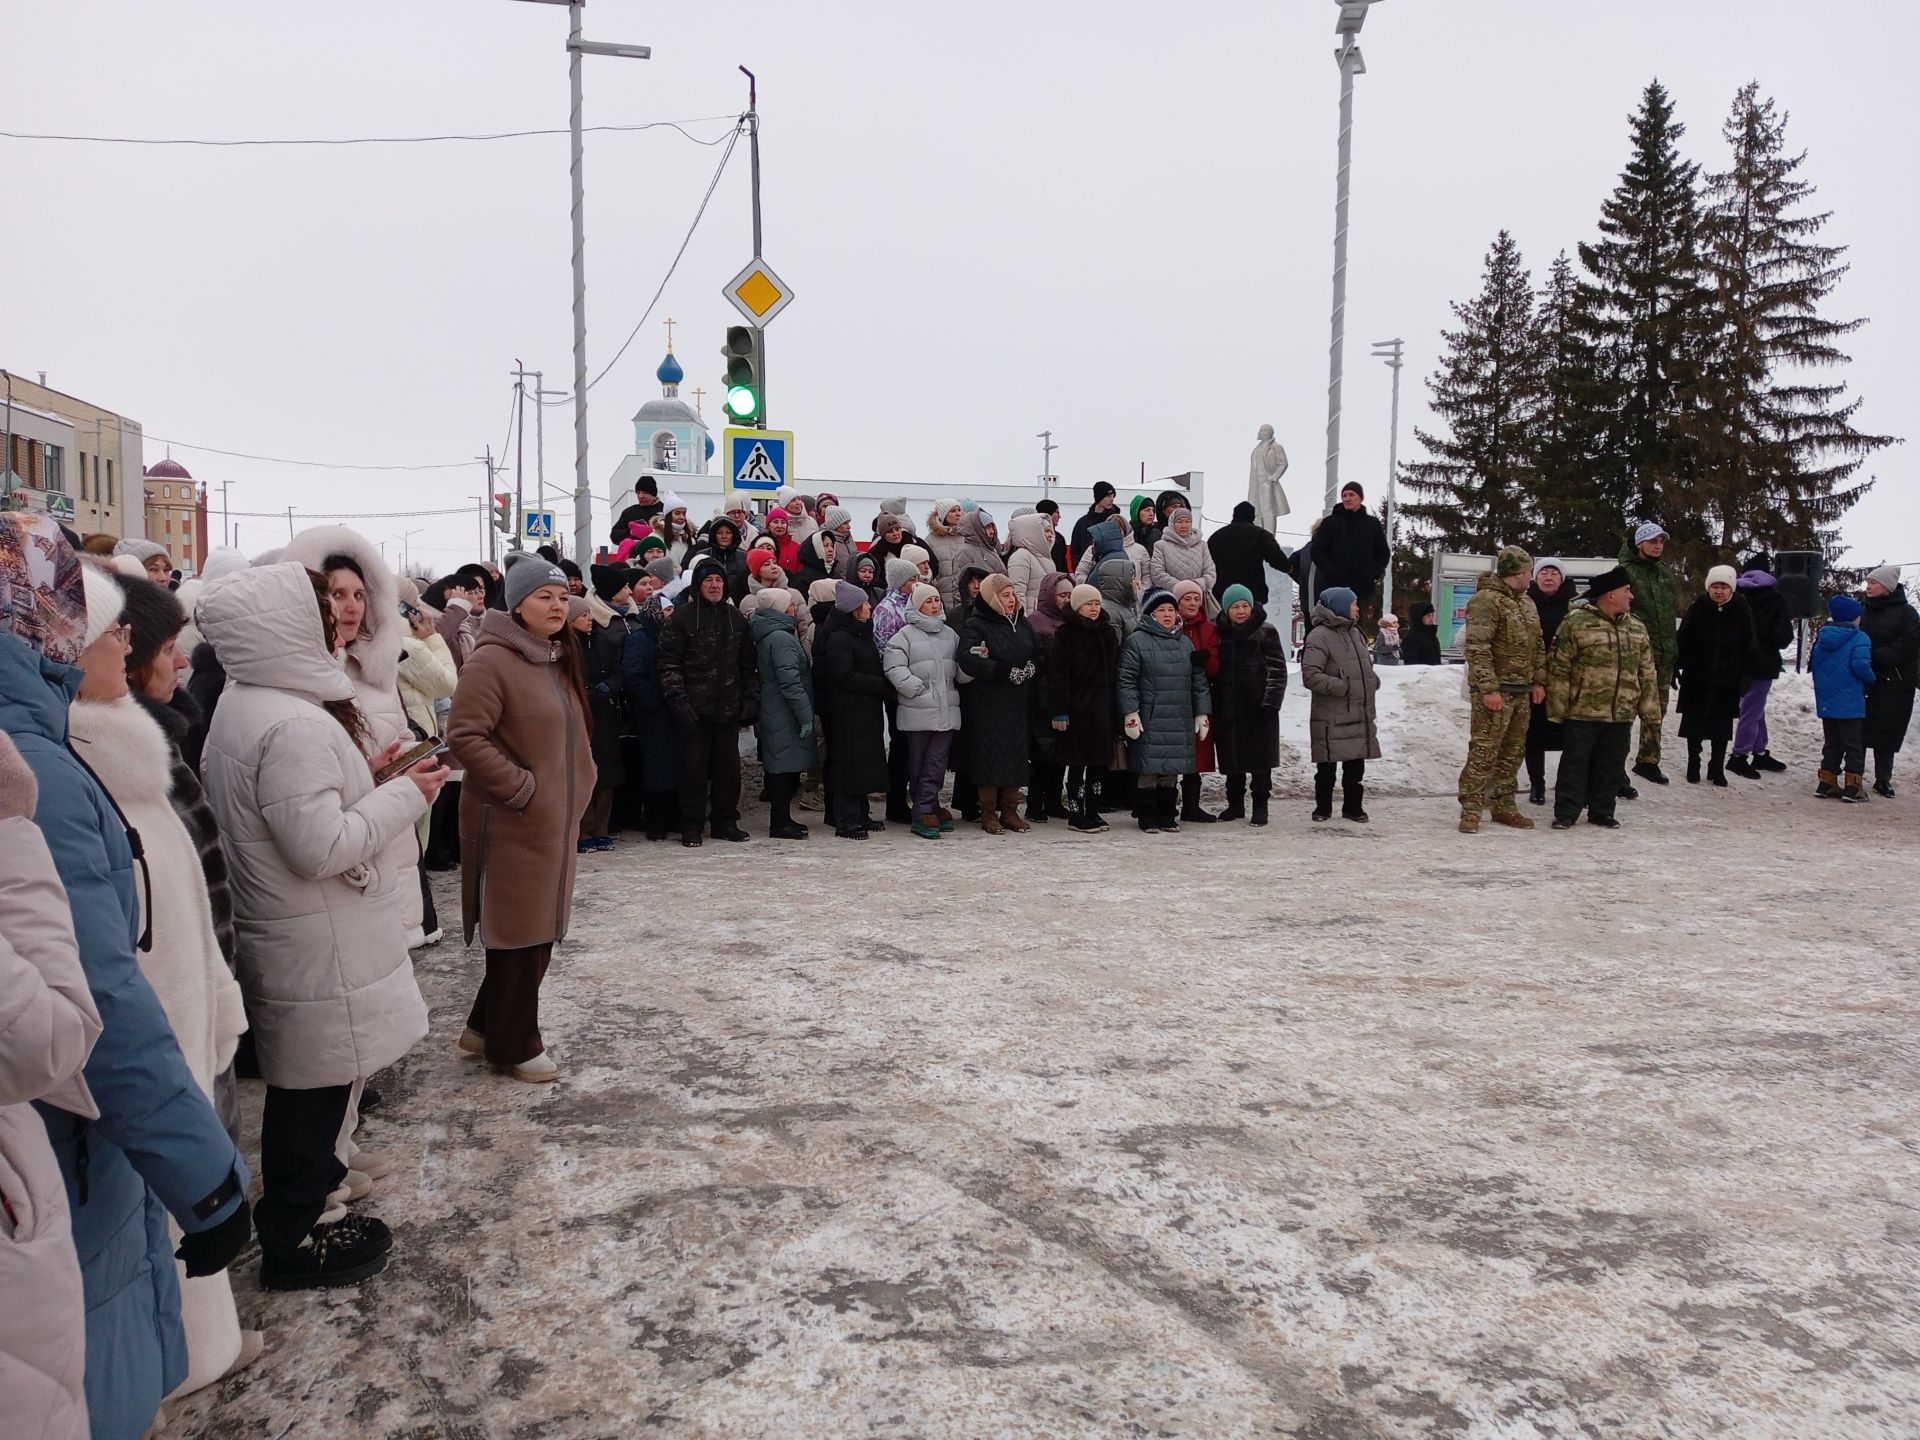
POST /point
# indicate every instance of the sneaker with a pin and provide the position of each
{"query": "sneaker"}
(1648, 770)
(1087, 824)
(585, 847)
(1764, 761)
(344, 1252)
(603, 845)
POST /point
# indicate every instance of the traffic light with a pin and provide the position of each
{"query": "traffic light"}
(503, 514)
(742, 352)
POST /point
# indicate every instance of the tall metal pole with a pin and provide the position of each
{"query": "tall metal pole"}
(753, 152)
(1046, 462)
(582, 484)
(1350, 65)
(1393, 352)
(539, 446)
(520, 449)
(226, 535)
(8, 432)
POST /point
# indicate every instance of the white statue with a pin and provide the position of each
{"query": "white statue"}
(1269, 463)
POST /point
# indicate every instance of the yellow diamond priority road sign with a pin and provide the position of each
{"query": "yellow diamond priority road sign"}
(757, 293)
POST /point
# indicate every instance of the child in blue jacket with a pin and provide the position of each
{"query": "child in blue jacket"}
(1842, 670)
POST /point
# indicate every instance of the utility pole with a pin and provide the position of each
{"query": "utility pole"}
(1046, 462)
(753, 152)
(1353, 14)
(520, 450)
(289, 522)
(225, 534)
(1393, 352)
(7, 459)
(486, 509)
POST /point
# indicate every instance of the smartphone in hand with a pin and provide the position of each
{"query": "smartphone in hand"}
(407, 759)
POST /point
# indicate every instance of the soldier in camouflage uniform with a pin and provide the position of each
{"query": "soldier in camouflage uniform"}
(1506, 667)
(1656, 607)
(1600, 676)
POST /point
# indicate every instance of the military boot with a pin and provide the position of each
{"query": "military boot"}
(1513, 819)
(1470, 824)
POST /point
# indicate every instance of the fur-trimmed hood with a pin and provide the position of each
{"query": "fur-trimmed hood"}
(375, 651)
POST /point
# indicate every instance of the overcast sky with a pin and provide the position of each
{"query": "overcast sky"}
(1109, 220)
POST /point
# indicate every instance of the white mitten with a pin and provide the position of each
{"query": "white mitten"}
(1134, 728)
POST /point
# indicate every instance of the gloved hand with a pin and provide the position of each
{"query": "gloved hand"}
(1198, 659)
(1133, 726)
(1202, 725)
(603, 690)
(806, 730)
(982, 651)
(1060, 723)
(1020, 674)
(208, 1252)
(682, 708)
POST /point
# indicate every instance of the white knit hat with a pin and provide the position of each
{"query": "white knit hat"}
(1722, 575)
(105, 601)
(921, 594)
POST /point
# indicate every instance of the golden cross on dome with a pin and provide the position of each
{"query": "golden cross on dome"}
(697, 393)
(669, 334)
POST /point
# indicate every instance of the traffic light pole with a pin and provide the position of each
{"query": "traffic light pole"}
(753, 152)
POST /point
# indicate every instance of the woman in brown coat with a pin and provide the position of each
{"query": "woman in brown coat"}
(518, 728)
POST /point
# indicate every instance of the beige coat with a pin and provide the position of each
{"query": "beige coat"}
(518, 731)
(1336, 666)
(126, 749)
(48, 1024)
(316, 897)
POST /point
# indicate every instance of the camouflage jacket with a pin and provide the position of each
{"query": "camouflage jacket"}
(1655, 603)
(1602, 669)
(1503, 647)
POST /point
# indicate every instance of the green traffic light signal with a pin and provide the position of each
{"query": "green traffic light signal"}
(742, 403)
(742, 354)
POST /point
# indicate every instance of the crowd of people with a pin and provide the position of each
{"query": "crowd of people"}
(221, 799)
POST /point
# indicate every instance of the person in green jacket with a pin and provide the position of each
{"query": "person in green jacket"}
(1601, 675)
(1506, 669)
(1656, 607)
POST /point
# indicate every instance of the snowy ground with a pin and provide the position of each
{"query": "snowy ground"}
(1325, 1131)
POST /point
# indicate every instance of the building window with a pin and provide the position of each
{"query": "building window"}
(56, 470)
(83, 475)
(110, 482)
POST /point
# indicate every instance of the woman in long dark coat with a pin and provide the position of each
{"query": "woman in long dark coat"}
(654, 743)
(1893, 626)
(600, 657)
(1081, 667)
(851, 689)
(1246, 703)
(1718, 655)
(1551, 596)
(999, 657)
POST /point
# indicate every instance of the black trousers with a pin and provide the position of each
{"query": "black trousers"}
(709, 775)
(1593, 767)
(1353, 788)
(429, 916)
(298, 1166)
(507, 1009)
(899, 778)
(443, 830)
(1883, 765)
(1843, 748)
(780, 792)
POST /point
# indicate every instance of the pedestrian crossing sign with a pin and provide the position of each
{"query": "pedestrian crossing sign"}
(537, 525)
(759, 462)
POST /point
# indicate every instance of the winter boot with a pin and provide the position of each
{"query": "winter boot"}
(1884, 789)
(1742, 765)
(1537, 793)
(1190, 801)
(1763, 761)
(989, 805)
(1010, 809)
(1829, 786)
(1470, 824)
(1512, 819)
(943, 817)
(1146, 811)
(1717, 765)
(1693, 762)
(344, 1252)
(927, 828)
(1236, 799)
(1649, 770)
(1852, 793)
(1259, 808)
(1166, 801)
(1085, 819)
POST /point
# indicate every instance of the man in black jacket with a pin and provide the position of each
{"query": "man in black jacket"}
(712, 684)
(1350, 546)
(1241, 553)
(646, 507)
(1104, 505)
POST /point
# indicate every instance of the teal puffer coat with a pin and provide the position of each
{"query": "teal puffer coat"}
(1160, 683)
(785, 722)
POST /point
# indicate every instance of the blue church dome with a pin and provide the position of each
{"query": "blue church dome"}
(709, 440)
(670, 372)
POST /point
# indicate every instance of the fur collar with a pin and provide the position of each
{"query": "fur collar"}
(125, 747)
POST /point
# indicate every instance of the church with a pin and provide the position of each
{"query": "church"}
(670, 437)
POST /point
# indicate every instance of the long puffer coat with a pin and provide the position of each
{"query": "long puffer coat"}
(152, 1144)
(854, 692)
(427, 673)
(329, 988)
(1029, 558)
(49, 1024)
(129, 753)
(706, 656)
(652, 721)
(1159, 682)
(1115, 579)
(785, 722)
(966, 544)
(1717, 655)
(1000, 713)
(372, 662)
(1894, 628)
(1247, 694)
(518, 730)
(1176, 557)
(921, 668)
(1082, 666)
(607, 689)
(1335, 666)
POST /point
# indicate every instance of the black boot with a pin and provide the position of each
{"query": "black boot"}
(1743, 766)
(1763, 761)
(1693, 762)
(1351, 806)
(1190, 801)
(1262, 788)
(1236, 799)
(1322, 794)
(1717, 765)
(1167, 802)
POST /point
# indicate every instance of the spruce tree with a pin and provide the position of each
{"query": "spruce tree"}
(1574, 517)
(1643, 314)
(1472, 491)
(1779, 452)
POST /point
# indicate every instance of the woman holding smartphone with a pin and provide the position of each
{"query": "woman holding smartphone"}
(519, 730)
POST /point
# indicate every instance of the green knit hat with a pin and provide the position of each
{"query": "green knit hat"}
(1512, 561)
(1133, 510)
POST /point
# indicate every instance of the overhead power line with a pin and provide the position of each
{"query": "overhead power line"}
(300, 514)
(307, 464)
(367, 139)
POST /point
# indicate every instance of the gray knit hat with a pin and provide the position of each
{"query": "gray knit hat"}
(527, 573)
(848, 598)
(1887, 575)
(663, 570)
(900, 571)
(836, 516)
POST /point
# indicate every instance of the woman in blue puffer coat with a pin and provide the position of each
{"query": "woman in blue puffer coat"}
(1166, 706)
(157, 1147)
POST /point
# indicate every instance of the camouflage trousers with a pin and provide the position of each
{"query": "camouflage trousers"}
(1649, 752)
(1494, 754)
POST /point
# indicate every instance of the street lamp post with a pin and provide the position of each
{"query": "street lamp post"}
(1392, 351)
(1353, 14)
(576, 47)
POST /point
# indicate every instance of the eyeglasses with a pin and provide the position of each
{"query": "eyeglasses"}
(123, 634)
